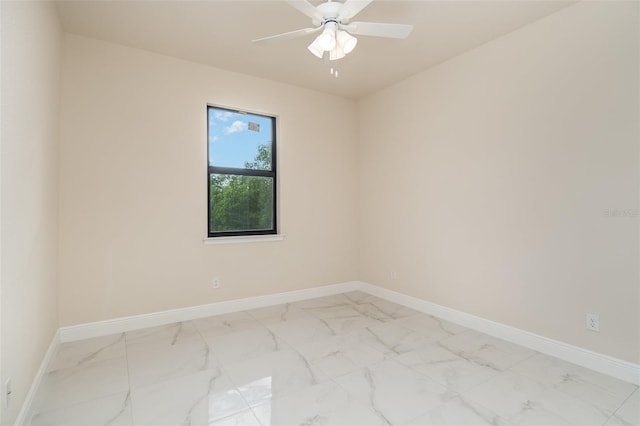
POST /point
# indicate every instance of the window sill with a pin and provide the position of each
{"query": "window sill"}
(243, 239)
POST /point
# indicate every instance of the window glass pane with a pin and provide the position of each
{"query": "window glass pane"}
(240, 203)
(239, 140)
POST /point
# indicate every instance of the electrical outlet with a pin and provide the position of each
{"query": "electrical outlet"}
(216, 282)
(393, 275)
(593, 322)
(7, 393)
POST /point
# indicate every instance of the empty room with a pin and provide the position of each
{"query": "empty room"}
(354, 212)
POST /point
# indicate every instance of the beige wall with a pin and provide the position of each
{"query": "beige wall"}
(31, 40)
(133, 186)
(485, 180)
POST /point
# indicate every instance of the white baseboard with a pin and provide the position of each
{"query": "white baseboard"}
(614, 367)
(120, 325)
(25, 410)
(605, 364)
(617, 368)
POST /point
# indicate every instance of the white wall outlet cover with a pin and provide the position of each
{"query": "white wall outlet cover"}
(593, 322)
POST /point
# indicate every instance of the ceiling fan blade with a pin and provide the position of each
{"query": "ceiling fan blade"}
(287, 36)
(351, 8)
(378, 30)
(307, 8)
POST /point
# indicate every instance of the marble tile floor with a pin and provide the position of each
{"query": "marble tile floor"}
(349, 359)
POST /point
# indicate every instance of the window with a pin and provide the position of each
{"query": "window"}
(242, 173)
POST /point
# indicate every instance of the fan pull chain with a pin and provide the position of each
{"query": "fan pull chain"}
(334, 72)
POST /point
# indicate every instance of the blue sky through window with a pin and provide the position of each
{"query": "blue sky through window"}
(234, 138)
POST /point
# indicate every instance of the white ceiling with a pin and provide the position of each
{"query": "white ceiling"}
(219, 33)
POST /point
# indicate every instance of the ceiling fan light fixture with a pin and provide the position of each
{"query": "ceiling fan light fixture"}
(334, 19)
(336, 53)
(315, 48)
(327, 40)
(346, 41)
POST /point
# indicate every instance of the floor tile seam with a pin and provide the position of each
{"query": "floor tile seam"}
(95, 352)
(398, 323)
(469, 399)
(390, 352)
(228, 375)
(511, 367)
(410, 421)
(279, 336)
(266, 325)
(472, 355)
(213, 340)
(223, 372)
(427, 335)
(408, 316)
(636, 391)
(320, 318)
(129, 390)
(209, 347)
(310, 310)
(497, 373)
(250, 408)
(252, 315)
(78, 403)
(605, 412)
(553, 388)
(137, 389)
(386, 316)
(260, 403)
(84, 365)
(224, 368)
(607, 389)
(352, 338)
(157, 343)
(445, 384)
(443, 328)
(345, 390)
(164, 348)
(359, 367)
(198, 329)
(237, 391)
(233, 415)
(292, 345)
(370, 402)
(329, 379)
(585, 384)
(455, 350)
(615, 413)
(140, 352)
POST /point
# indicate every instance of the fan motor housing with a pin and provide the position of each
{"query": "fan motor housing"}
(330, 11)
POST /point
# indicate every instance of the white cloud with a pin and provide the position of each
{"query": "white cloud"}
(237, 126)
(223, 115)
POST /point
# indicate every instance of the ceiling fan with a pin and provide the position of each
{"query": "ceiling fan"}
(334, 19)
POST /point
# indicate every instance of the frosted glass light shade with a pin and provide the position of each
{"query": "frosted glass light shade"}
(336, 53)
(327, 40)
(316, 49)
(346, 41)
